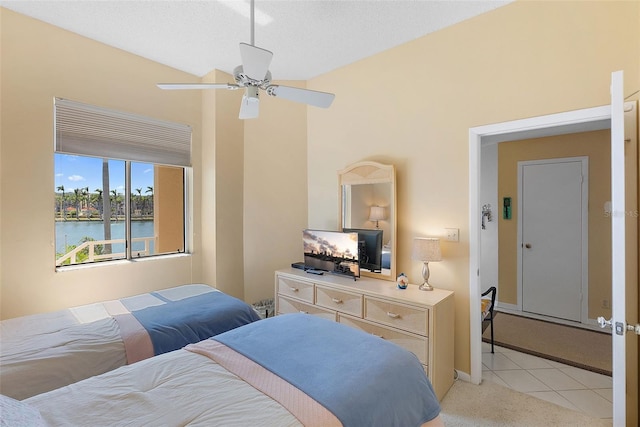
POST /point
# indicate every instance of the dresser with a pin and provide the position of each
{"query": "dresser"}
(420, 321)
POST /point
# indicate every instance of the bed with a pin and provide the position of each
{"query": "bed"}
(288, 370)
(46, 351)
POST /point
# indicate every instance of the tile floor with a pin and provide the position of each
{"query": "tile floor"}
(573, 388)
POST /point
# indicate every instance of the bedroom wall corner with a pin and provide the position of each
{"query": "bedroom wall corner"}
(222, 187)
(275, 191)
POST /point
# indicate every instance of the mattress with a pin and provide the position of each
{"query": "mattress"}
(290, 370)
(46, 351)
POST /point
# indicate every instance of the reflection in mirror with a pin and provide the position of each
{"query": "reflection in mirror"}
(367, 206)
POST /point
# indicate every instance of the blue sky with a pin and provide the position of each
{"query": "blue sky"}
(80, 172)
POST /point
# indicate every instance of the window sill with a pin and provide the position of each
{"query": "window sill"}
(66, 268)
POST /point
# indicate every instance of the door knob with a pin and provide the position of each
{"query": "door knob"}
(604, 322)
(527, 245)
(621, 327)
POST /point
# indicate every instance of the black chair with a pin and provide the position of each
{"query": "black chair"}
(487, 310)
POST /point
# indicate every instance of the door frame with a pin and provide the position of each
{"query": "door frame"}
(584, 285)
(595, 118)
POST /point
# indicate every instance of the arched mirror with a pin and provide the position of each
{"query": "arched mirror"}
(368, 206)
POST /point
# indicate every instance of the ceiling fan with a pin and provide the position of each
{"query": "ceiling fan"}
(254, 75)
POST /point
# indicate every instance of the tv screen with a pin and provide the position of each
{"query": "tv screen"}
(369, 248)
(331, 251)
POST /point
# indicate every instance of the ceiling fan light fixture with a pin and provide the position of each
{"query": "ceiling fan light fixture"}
(249, 108)
(252, 93)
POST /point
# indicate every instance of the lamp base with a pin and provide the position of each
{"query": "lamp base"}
(425, 276)
(425, 287)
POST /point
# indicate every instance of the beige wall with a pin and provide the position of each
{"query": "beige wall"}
(222, 148)
(40, 62)
(413, 106)
(596, 146)
(168, 222)
(275, 192)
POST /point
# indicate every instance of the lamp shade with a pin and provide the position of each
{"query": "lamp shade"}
(376, 213)
(426, 249)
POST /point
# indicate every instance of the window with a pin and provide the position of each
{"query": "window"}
(120, 184)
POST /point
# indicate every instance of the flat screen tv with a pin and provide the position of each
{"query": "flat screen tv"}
(331, 251)
(369, 248)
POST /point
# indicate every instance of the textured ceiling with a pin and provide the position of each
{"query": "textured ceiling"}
(307, 37)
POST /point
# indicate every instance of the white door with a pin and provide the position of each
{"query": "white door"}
(552, 220)
(618, 266)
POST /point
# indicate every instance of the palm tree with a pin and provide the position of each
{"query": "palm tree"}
(94, 204)
(106, 204)
(98, 199)
(63, 212)
(150, 190)
(85, 198)
(139, 202)
(114, 201)
(77, 198)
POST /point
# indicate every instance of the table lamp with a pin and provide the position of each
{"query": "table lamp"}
(376, 213)
(426, 249)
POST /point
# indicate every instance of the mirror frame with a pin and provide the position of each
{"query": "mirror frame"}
(368, 172)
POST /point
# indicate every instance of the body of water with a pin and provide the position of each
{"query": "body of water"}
(72, 233)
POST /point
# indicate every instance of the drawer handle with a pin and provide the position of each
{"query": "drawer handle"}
(294, 289)
(393, 315)
(336, 300)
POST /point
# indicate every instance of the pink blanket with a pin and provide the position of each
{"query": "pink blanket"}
(309, 412)
(137, 342)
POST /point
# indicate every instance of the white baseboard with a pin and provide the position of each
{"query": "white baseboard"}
(463, 376)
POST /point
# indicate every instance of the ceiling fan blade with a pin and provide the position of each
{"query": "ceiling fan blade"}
(255, 61)
(305, 96)
(250, 104)
(183, 86)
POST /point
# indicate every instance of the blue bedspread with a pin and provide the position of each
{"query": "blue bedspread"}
(175, 324)
(363, 380)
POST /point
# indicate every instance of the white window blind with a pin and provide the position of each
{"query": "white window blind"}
(88, 130)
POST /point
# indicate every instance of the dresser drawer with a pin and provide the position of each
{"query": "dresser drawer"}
(418, 345)
(344, 302)
(397, 315)
(287, 305)
(296, 289)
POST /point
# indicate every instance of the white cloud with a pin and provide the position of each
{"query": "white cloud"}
(148, 170)
(59, 174)
(75, 178)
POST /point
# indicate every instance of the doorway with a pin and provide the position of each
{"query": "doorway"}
(553, 231)
(555, 124)
(597, 118)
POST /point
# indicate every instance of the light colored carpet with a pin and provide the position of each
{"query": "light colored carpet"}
(571, 345)
(490, 404)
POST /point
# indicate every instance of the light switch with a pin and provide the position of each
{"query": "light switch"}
(452, 234)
